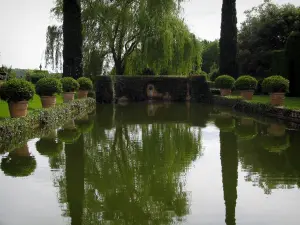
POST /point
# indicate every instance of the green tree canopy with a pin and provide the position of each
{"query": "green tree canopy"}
(265, 29)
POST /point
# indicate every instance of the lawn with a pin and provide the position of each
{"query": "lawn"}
(35, 103)
(290, 102)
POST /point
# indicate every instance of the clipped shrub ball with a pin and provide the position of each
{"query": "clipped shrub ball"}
(48, 87)
(224, 82)
(18, 166)
(49, 147)
(275, 84)
(16, 90)
(225, 124)
(85, 84)
(246, 82)
(69, 84)
(69, 136)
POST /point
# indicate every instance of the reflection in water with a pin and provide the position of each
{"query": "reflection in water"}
(18, 163)
(125, 165)
(229, 163)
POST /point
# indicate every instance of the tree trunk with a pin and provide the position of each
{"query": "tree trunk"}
(119, 67)
(228, 39)
(72, 33)
(229, 162)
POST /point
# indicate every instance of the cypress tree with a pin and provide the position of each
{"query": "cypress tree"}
(293, 63)
(228, 39)
(72, 33)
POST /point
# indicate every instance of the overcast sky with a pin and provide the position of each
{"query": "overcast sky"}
(23, 26)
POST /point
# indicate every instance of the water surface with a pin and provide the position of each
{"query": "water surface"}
(155, 164)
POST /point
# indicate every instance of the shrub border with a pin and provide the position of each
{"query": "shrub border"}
(15, 132)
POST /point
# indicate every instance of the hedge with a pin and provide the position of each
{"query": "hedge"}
(17, 131)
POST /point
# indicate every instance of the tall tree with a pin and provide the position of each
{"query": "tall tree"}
(72, 35)
(228, 39)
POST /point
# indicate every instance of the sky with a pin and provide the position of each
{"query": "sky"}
(23, 26)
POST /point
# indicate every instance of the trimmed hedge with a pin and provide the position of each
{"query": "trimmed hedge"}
(16, 131)
(48, 87)
(224, 82)
(275, 84)
(16, 90)
(246, 82)
(69, 84)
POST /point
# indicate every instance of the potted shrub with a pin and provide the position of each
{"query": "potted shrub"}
(17, 93)
(277, 86)
(225, 83)
(70, 86)
(47, 88)
(246, 85)
(85, 85)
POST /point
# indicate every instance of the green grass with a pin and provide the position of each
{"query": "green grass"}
(35, 103)
(290, 102)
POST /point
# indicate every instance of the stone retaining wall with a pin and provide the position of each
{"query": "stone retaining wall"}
(142, 88)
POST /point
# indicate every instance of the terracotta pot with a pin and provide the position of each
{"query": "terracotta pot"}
(277, 99)
(247, 94)
(69, 96)
(48, 101)
(22, 151)
(18, 109)
(82, 94)
(225, 92)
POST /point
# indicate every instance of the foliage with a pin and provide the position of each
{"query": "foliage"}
(69, 84)
(265, 29)
(275, 84)
(125, 32)
(85, 126)
(69, 136)
(16, 90)
(225, 123)
(275, 144)
(228, 39)
(214, 74)
(16, 131)
(48, 87)
(224, 82)
(293, 62)
(18, 166)
(210, 56)
(49, 147)
(246, 82)
(246, 132)
(85, 84)
(35, 75)
(278, 65)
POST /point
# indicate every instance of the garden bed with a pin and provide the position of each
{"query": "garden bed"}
(15, 132)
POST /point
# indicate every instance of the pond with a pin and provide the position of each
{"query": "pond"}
(155, 164)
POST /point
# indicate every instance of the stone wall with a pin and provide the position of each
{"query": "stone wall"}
(142, 88)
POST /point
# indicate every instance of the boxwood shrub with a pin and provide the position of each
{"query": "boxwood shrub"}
(69, 84)
(275, 84)
(85, 84)
(48, 87)
(16, 90)
(224, 82)
(245, 82)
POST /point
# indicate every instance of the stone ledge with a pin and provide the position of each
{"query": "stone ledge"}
(259, 108)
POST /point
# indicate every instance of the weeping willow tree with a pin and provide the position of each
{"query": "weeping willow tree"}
(134, 35)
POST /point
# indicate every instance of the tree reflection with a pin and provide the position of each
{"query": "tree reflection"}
(229, 163)
(134, 174)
